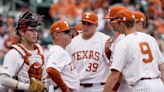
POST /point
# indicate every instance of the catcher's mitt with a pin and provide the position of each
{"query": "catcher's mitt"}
(36, 86)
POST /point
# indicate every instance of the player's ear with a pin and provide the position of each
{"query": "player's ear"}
(55, 35)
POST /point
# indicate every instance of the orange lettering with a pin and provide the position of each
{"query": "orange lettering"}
(145, 49)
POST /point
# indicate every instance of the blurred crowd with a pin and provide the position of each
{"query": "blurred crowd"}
(71, 10)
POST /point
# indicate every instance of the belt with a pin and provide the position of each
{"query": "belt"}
(148, 78)
(91, 84)
(56, 87)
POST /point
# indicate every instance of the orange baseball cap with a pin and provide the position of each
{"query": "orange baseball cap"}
(124, 15)
(113, 11)
(90, 17)
(59, 26)
(139, 16)
(78, 26)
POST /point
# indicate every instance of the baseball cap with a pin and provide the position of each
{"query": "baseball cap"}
(113, 11)
(124, 15)
(139, 16)
(90, 17)
(78, 26)
(59, 26)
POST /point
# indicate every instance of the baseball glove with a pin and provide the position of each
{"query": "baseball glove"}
(36, 86)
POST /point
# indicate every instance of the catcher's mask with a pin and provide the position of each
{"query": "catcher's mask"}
(29, 18)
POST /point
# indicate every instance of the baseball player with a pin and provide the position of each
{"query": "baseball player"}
(111, 14)
(140, 25)
(140, 21)
(112, 42)
(59, 66)
(137, 57)
(25, 60)
(88, 52)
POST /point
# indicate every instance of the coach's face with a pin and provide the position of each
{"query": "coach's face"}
(63, 37)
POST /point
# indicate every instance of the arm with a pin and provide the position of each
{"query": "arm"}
(117, 84)
(161, 68)
(56, 77)
(12, 83)
(111, 81)
(9, 69)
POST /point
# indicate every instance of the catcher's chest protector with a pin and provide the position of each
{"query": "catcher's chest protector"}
(34, 60)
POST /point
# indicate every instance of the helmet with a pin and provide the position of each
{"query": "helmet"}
(29, 18)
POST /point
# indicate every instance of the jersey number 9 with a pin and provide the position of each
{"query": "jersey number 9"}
(145, 50)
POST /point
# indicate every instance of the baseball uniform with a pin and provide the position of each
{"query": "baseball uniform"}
(59, 59)
(16, 66)
(137, 56)
(90, 61)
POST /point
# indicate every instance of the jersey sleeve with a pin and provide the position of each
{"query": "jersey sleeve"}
(55, 60)
(11, 63)
(119, 57)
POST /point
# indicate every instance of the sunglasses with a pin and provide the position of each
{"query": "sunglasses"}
(67, 31)
(87, 23)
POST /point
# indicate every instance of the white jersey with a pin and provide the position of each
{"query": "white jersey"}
(14, 64)
(119, 38)
(59, 59)
(137, 56)
(89, 58)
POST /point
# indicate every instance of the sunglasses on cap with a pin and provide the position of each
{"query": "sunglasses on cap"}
(86, 23)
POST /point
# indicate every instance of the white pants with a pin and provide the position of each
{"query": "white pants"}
(152, 85)
(51, 89)
(98, 88)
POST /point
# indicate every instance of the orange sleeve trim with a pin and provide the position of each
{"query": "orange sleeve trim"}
(56, 77)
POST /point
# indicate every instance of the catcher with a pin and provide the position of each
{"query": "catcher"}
(23, 64)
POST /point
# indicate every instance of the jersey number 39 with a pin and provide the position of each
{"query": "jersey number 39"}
(92, 67)
(145, 50)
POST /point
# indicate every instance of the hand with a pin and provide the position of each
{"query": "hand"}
(108, 43)
(108, 51)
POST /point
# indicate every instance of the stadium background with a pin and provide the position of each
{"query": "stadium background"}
(71, 10)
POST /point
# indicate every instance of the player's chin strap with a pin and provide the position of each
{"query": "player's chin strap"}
(33, 71)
